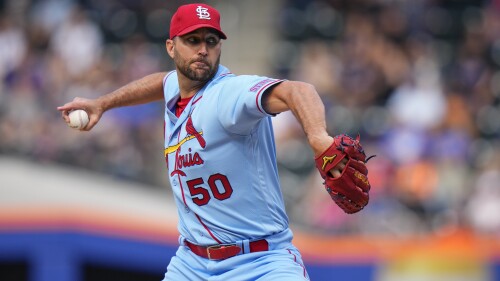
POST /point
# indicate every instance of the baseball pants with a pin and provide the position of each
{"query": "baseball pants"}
(283, 263)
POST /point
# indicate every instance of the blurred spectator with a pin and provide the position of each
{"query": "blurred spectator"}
(13, 45)
(483, 207)
(77, 42)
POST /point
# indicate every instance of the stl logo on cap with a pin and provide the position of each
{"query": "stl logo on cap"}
(203, 13)
(190, 17)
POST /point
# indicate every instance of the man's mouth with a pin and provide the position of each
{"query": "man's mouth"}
(200, 64)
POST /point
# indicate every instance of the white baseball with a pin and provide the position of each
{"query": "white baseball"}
(78, 119)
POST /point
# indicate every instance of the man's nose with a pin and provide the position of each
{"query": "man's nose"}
(203, 51)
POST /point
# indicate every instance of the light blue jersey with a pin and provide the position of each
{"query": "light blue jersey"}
(222, 161)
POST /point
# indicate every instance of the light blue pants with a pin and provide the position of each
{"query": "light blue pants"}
(282, 262)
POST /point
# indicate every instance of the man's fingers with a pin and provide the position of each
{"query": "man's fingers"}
(335, 173)
(65, 115)
(90, 125)
(67, 107)
(341, 166)
(337, 170)
(77, 103)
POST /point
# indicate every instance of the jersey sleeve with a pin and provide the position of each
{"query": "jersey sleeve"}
(170, 85)
(240, 102)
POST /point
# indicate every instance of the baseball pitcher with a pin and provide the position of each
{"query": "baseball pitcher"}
(221, 156)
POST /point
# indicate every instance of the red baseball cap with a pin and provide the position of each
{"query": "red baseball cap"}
(190, 17)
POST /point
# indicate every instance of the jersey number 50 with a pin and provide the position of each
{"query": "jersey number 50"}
(219, 186)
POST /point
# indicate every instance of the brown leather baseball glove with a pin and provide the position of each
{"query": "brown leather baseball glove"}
(350, 190)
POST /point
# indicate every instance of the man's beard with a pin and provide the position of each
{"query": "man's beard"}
(194, 75)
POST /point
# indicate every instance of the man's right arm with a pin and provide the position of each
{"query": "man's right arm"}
(141, 91)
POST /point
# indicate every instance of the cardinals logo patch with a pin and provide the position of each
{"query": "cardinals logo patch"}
(192, 133)
(191, 130)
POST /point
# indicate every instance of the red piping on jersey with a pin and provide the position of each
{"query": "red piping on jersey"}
(164, 127)
(176, 168)
(207, 229)
(182, 190)
(166, 77)
(295, 260)
(164, 131)
(196, 100)
(261, 91)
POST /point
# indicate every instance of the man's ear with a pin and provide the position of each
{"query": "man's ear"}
(169, 46)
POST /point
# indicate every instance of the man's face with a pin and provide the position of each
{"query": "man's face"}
(197, 54)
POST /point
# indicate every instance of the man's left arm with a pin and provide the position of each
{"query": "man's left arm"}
(340, 160)
(303, 100)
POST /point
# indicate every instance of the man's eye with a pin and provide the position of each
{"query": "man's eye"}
(212, 41)
(193, 40)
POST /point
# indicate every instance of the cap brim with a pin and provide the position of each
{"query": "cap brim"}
(198, 26)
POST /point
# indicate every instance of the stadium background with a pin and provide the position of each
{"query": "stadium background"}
(419, 80)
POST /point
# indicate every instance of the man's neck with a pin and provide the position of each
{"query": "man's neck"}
(188, 87)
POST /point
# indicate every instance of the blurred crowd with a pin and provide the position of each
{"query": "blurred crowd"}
(418, 80)
(52, 51)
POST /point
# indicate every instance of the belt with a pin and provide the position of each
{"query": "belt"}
(224, 251)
